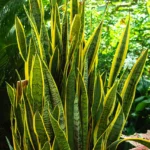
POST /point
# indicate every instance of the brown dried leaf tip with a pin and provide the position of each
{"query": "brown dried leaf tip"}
(20, 86)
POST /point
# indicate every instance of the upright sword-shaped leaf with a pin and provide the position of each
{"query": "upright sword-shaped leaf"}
(120, 55)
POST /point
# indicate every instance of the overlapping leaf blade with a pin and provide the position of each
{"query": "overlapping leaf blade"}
(59, 133)
(21, 39)
(37, 84)
(120, 55)
(128, 91)
(70, 97)
(92, 46)
(56, 99)
(11, 94)
(114, 145)
(109, 103)
(46, 146)
(40, 129)
(36, 12)
(84, 112)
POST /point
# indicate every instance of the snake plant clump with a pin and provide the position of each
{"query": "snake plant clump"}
(64, 102)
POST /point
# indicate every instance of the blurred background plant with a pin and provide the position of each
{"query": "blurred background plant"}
(9, 56)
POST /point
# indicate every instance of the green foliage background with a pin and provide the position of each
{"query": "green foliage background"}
(114, 24)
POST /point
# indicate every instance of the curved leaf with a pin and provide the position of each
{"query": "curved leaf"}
(37, 84)
(120, 55)
(109, 103)
(116, 127)
(11, 94)
(36, 36)
(84, 112)
(29, 123)
(129, 88)
(77, 125)
(28, 63)
(46, 146)
(45, 42)
(142, 105)
(75, 26)
(36, 12)
(21, 39)
(56, 99)
(74, 9)
(65, 40)
(114, 145)
(70, 97)
(60, 135)
(40, 128)
(97, 106)
(92, 46)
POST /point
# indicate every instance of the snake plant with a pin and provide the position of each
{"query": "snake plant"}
(65, 102)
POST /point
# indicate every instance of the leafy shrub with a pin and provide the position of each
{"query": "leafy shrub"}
(64, 101)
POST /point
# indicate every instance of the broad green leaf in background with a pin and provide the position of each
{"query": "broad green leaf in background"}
(142, 105)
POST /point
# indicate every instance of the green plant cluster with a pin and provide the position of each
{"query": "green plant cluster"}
(139, 40)
(114, 23)
(65, 102)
